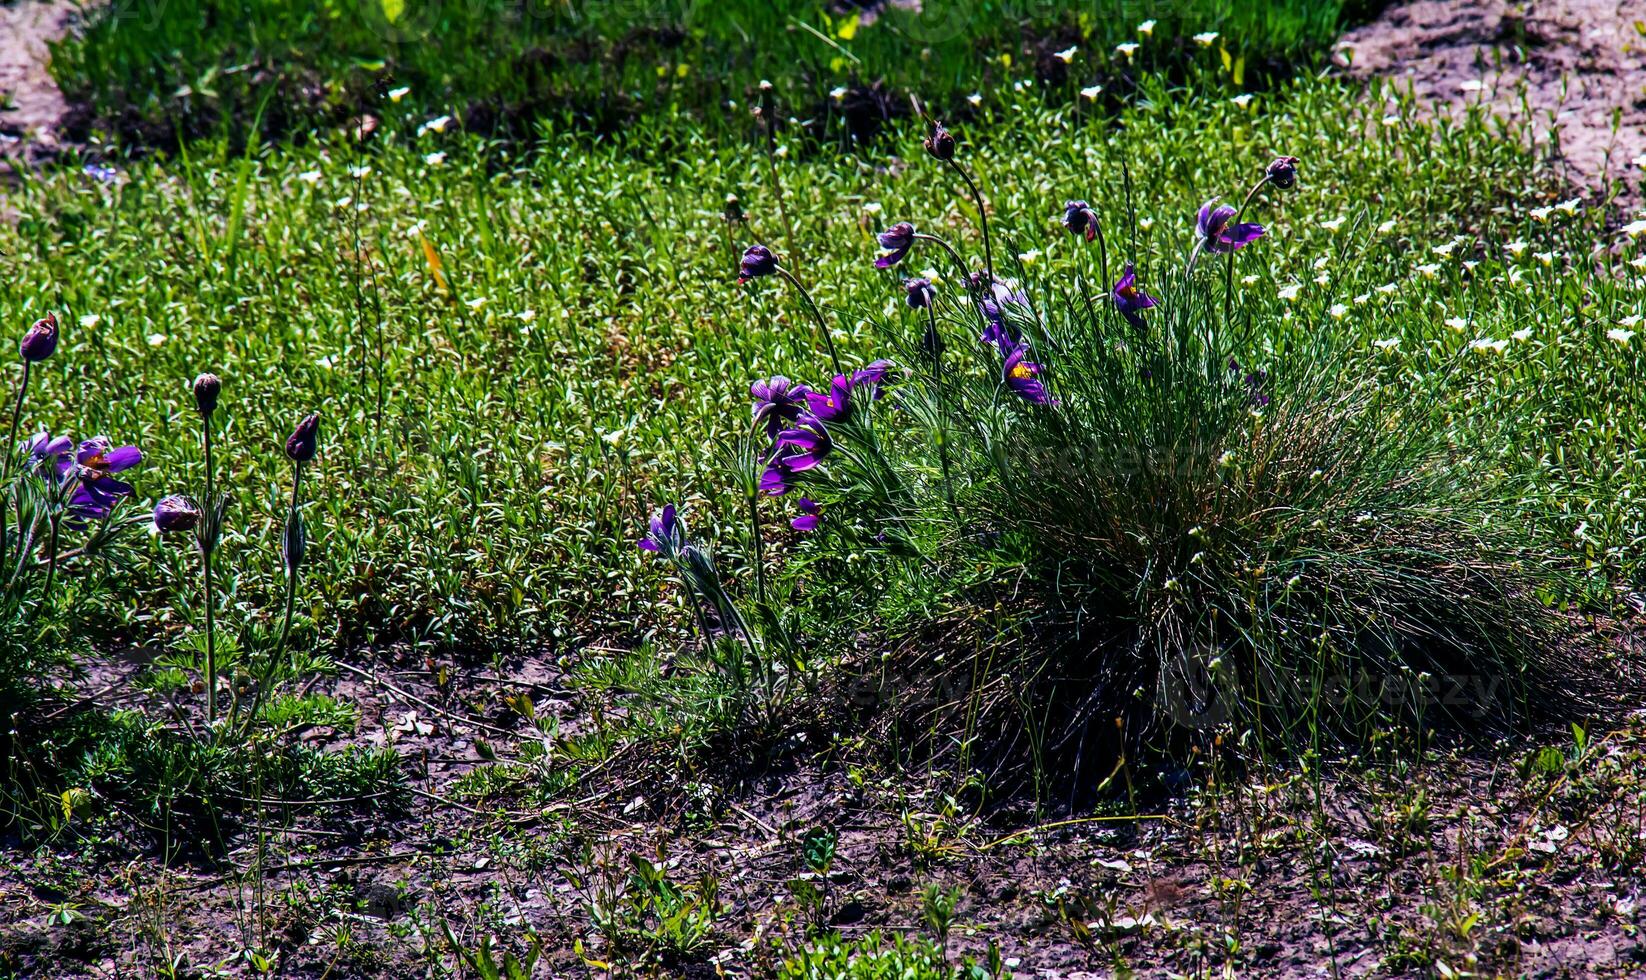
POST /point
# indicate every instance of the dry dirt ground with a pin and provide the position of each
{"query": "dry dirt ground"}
(1578, 67)
(30, 104)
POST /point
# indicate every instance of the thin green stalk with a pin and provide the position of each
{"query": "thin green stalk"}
(1228, 260)
(817, 315)
(294, 571)
(210, 592)
(16, 420)
(759, 547)
(942, 412)
(982, 218)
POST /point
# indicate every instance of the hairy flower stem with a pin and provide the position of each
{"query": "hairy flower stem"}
(206, 550)
(768, 115)
(16, 420)
(292, 572)
(759, 547)
(942, 412)
(982, 219)
(51, 555)
(822, 328)
(1228, 260)
(965, 274)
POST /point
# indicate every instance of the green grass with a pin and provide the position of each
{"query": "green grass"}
(155, 72)
(497, 498)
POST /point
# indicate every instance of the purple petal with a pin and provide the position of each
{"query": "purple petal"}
(123, 458)
(806, 522)
(647, 544)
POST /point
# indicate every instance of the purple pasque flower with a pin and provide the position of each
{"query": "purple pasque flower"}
(811, 514)
(897, 240)
(50, 453)
(808, 442)
(95, 464)
(1023, 377)
(872, 376)
(940, 143)
(835, 405)
(304, 440)
(1216, 232)
(176, 513)
(998, 297)
(40, 340)
(667, 533)
(758, 261)
(1129, 297)
(778, 402)
(777, 479)
(1080, 219)
(921, 293)
(1282, 172)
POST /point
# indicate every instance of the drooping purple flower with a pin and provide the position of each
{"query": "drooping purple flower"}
(921, 293)
(50, 453)
(96, 463)
(778, 402)
(668, 533)
(1216, 232)
(304, 441)
(758, 261)
(176, 513)
(809, 442)
(897, 240)
(941, 143)
(1129, 297)
(999, 295)
(811, 514)
(1282, 172)
(1023, 377)
(40, 340)
(777, 479)
(872, 376)
(1080, 219)
(206, 388)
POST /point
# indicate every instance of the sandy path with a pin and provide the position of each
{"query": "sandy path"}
(30, 104)
(1577, 61)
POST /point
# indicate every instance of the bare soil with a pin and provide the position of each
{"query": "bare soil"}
(1564, 66)
(31, 107)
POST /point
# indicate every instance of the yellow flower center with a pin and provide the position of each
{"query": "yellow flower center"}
(1022, 372)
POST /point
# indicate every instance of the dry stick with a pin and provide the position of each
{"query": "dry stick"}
(419, 701)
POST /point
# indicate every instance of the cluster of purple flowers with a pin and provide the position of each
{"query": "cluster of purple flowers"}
(797, 419)
(86, 473)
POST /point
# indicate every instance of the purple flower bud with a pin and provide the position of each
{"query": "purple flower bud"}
(206, 389)
(1282, 172)
(920, 292)
(811, 514)
(176, 513)
(941, 143)
(758, 261)
(40, 342)
(305, 439)
(1080, 219)
(897, 240)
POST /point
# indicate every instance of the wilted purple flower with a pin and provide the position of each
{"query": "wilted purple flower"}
(941, 143)
(40, 340)
(999, 294)
(758, 261)
(1080, 219)
(1282, 172)
(778, 402)
(897, 240)
(1130, 299)
(1216, 232)
(811, 514)
(96, 463)
(668, 534)
(1023, 377)
(176, 513)
(206, 388)
(304, 441)
(809, 441)
(920, 292)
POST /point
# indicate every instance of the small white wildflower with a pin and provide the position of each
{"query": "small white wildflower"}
(476, 303)
(436, 125)
(1127, 48)
(435, 159)
(1146, 28)
(1145, 223)
(156, 339)
(1631, 321)
(90, 321)
(1634, 229)
(359, 173)
(1248, 280)
(1516, 248)
(1090, 92)
(1338, 311)
(327, 361)
(1638, 261)
(1389, 343)
(1429, 271)
(1030, 257)
(838, 92)
(1289, 293)
(1542, 214)
(396, 94)
(1620, 335)
(1243, 100)
(1457, 323)
(311, 177)
(1321, 262)
(976, 98)
(1570, 206)
(526, 316)
(1362, 299)
(1324, 278)
(1205, 38)
(1066, 55)
(1445, 249)
(1483, 344)
(1334, 224)
(1544, 258)
(1523, 334)
(1387, 289)
(1386, 227)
